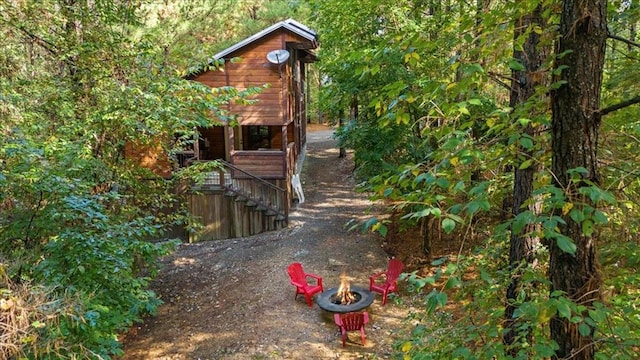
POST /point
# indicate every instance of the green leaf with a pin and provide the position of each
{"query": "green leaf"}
(566, 244)
(524, 121)
(369, 223)
(544, 350)
(525, 164)
(422, 213)
(587, 227)
(477, 102)
(526, 143)
(600, 217)
(439, 261)
(598, 315)
(448, 225)
(564, 309)
(516, 65)
(584, 329)
(576, 215)
(380, 228)
(442, 182)
(453, 282)
(520, 221)
(459, 186)
(435, 299)
(472, 207)
(547, 311)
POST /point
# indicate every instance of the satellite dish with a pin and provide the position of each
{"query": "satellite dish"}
(278, 56)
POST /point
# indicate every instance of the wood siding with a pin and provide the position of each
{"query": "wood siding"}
(213, 143)
(268, 164)
(254, 70)
(150, 156)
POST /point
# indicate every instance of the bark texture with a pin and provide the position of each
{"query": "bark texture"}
(523, 87)
(575, 123)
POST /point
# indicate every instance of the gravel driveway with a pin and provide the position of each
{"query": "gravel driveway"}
(232, 299)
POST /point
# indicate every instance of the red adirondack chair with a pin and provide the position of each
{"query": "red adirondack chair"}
(299, 280)
(351, 322)
(390, 276)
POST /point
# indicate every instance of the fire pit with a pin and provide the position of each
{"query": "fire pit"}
(345, 298)
(327, 300)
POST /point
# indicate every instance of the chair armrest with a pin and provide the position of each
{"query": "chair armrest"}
(314, 276)
(366, 316)
(374, 277)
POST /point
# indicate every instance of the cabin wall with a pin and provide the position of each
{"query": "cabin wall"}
(253, 70)
(268, 164)
(149, 156)
(212, 143)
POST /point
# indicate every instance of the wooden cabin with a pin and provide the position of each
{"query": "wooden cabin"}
(252, 192)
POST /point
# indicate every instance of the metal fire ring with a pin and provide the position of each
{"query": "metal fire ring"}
(324, 300)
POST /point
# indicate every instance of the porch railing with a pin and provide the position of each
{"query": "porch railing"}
(256, 192)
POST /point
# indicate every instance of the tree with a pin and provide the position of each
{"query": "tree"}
(461, 132)
(76, 214)
(528, 76)
(573, 269)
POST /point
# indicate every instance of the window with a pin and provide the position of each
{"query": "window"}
(259, 137)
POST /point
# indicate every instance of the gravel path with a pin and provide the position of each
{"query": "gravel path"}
(232, 299)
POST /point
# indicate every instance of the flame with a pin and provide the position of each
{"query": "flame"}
(344, 291)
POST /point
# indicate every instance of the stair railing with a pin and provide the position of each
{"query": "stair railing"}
(256, 192)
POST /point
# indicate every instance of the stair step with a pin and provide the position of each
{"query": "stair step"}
(270, 213)
(261, 208)
(251, 203)
(280, 217)
(241, 198)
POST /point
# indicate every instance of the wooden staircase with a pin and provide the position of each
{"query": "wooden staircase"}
(233, 203)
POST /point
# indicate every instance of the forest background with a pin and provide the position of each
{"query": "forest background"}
(511, 124)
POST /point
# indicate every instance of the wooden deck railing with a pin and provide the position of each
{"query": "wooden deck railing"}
(247, 187)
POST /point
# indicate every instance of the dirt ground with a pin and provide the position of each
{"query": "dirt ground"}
(232, 299)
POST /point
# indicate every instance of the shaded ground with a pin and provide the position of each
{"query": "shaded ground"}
(232, 299)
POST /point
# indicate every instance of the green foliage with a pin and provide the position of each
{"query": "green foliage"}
(84, 80)
(437, 138)
(191, 31)
(104, 264)
(474, 330)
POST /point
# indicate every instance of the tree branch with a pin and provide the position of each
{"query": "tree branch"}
(496, 77)
(45, 44)
(626, 41)
(620, 105)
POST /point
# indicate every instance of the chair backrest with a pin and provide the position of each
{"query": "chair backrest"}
(296, 273)
(352, 321)
(394, 269)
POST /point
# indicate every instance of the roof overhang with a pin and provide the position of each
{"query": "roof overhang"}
(310, 41)
(289, 24)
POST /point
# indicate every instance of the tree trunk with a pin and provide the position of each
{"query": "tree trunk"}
(353, 115)
(523, 87)
(575, 122)
(343, 152)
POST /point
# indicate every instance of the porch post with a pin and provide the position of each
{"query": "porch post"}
(229, 142)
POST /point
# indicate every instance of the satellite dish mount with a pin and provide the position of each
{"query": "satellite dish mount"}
(278, 57)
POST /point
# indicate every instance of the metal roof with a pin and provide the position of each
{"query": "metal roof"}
(289, 24)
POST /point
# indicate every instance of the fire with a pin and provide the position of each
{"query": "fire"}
(344, 291)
